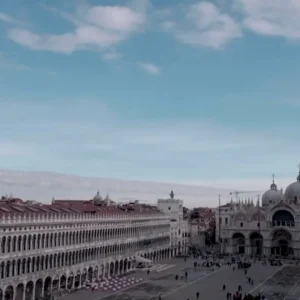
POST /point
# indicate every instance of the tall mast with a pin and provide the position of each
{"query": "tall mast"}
(220, 248)
(259, 225)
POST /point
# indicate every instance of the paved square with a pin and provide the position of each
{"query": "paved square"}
(206, 281)
(284, 285)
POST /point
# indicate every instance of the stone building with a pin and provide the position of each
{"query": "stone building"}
(47, 249)
(179, 223)
(272, 228)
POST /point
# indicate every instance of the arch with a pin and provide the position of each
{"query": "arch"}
(70, 281)
(121, 267)
(95, 275)
(9, 293)
(238, 242)
(83, 276)
(1, 294)
(63, 282)
(102, 271)
(38, 289)
(283, 217)
(19, 291)
(116, 267)
(90, 274)
(106, 269)
(77, 279)
(111, 269)
(55, 284)
(125, 264)
(256, 243)
(282, 243)
(47, 287)
(29, 290)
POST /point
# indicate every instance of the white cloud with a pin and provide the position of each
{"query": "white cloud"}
(271, 17)
(112, 56)
(150, 68)
(96, 28)
(42, 186)
(205, 26)
(9, 19)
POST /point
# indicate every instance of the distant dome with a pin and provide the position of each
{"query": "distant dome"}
(292, 192)
(97, 199)
(272, 195)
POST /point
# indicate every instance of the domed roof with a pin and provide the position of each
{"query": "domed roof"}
(97, 199)
(272, 195)
(293, 190)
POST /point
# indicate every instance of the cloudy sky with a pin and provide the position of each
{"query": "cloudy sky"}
(192, 92)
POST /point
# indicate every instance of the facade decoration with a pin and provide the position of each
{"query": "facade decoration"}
(271, 228)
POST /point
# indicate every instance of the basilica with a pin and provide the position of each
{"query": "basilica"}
(266, 227)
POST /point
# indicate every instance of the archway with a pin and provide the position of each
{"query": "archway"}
(106, 270)
(1, 294)
(55, 284)
(256, 243)
(238, 243)
(29, 290)
(63, 282)
(96, 272)
(283, 218)
(9, 293)
(282, 243)
(38, 289)
(90, 274)
(77, 279)
(48, 287)
(116, 267)
(125, 265)
(70, 281)
(83, 277)
(121, 267)
(19, 291)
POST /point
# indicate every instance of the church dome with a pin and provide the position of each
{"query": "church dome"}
(292, 192)
(272, 195)
(97, 199)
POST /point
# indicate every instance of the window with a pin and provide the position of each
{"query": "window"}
(242, 224)
(258, 224)
(226, 221)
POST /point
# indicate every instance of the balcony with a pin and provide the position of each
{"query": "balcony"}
(275, 223)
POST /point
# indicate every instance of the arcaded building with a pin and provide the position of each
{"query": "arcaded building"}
(268, 228)
(46, 249)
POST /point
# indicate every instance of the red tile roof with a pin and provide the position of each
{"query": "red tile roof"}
(71, 207)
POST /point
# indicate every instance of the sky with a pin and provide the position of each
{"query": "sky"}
(193, 92)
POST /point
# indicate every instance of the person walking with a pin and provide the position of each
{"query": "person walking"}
(197, 295)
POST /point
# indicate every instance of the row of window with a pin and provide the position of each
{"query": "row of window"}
(57, 260)
(50, 240)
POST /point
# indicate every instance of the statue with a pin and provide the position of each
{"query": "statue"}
(172, 195)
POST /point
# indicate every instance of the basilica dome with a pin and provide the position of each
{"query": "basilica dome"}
(98, 199)
(292, 192)
(272, 195)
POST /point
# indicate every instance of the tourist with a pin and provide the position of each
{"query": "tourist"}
(197, 295)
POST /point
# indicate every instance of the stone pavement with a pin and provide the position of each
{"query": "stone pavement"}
(205, 280)
(284, 285)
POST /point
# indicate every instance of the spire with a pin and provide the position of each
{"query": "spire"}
(273, 186)
(257, 203)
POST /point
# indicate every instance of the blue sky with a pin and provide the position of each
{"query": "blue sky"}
(186, 92)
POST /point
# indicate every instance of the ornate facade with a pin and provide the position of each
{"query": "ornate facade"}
(46, 249)
(271, 228)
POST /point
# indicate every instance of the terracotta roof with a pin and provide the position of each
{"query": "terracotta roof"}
(71, 207)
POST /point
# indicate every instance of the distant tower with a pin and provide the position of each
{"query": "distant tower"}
(172, 195)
